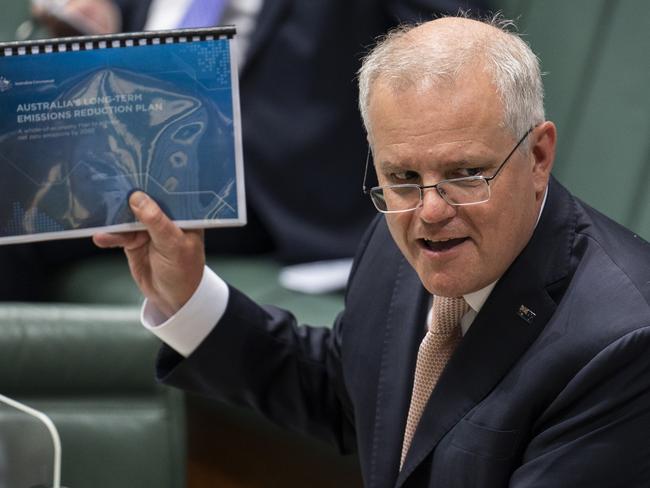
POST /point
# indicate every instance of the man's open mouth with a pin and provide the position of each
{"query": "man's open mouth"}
(442, 245)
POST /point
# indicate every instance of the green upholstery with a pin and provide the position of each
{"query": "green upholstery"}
(90, 370)
(107, 280)
(594, 54)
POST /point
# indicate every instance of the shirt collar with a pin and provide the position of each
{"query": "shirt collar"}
(477, 298)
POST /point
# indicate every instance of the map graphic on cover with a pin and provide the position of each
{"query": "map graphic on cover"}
(84, 122)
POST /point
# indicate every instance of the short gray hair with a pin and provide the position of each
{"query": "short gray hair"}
(402, 60)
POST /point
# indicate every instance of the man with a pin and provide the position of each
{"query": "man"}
(537, 371)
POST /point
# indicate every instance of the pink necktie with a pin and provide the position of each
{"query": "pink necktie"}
(436, 348)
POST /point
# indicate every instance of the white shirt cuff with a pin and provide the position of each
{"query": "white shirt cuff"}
(188, 327)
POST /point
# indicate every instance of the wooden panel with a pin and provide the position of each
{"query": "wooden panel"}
(228, 447)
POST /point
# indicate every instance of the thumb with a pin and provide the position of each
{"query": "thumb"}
(162, 230)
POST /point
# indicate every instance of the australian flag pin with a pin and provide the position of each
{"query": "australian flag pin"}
(526, 313)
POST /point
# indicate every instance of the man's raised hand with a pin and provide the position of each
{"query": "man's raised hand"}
(166, 262)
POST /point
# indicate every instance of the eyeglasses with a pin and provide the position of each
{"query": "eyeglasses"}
(468, 190)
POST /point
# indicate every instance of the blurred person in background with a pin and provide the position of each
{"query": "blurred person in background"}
(301, 130)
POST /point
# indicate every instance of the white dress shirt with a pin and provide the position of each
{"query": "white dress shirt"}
(167, 14)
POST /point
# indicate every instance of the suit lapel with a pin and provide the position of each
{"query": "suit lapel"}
(496, 340)
(513, 316)
(402, 335)
(267, 23)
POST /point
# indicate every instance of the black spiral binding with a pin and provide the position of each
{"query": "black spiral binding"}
(112, 41)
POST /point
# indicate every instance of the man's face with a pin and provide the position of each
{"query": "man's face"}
(425, 136)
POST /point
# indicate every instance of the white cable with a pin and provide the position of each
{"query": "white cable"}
(56, 440)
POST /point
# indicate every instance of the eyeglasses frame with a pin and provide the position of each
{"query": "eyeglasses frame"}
(487, 180)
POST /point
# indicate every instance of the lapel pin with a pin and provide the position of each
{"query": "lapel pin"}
(526, 313)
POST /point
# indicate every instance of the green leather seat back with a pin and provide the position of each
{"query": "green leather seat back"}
(255, 276)
(91, 370)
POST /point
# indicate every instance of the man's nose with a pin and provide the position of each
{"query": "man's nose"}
(434, 208)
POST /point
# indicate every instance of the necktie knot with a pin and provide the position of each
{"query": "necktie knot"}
(447, 312)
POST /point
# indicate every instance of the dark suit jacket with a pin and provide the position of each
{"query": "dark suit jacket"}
(558, 399)
(304, 144)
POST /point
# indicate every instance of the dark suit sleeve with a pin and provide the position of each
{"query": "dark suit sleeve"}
(597, 431)
(260, 358)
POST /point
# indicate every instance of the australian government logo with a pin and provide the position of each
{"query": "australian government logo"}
(5, 84)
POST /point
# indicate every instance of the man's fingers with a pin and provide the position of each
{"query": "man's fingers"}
(162, 230)
(127, 240)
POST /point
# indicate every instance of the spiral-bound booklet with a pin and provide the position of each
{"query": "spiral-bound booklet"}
(86, 121)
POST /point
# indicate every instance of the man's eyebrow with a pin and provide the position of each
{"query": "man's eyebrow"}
(468, 162)
(386, 166)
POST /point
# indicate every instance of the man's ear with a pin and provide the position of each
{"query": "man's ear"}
(543, 141)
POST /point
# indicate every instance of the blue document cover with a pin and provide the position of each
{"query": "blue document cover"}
(86, 121)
